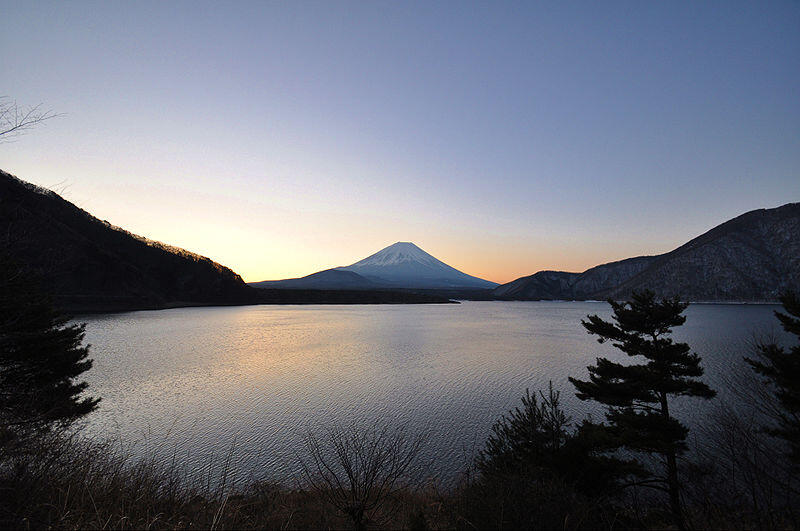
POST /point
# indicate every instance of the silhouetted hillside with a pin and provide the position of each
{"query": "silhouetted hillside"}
(88, 264)
(328, 279)
(559, 285)
(548, 285)
(753, 257)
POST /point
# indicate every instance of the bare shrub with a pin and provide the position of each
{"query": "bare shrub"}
(358, 470)
(71, 482)
(740, 474)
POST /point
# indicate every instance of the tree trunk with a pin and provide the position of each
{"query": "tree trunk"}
(357, 515)
(674, 491)
(672, 475)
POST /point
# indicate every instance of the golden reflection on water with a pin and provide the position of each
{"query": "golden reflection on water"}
(194, 381)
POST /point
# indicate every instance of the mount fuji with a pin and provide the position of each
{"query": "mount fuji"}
(405, 265)
(401, 265)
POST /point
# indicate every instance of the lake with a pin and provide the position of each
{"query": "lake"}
(242, 386)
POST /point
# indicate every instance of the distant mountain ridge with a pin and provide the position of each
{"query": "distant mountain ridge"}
(560, 285)
(90, 265)
(753, 257)
(327, 279)
(401, 265)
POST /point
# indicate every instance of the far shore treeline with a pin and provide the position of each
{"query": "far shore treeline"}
(90, 265)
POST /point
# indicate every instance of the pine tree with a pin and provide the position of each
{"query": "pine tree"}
(638, 396)
(40, 358)
(537, 442)
(782, 371)
(531, 436)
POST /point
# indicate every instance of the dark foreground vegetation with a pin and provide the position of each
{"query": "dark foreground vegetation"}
(638, 467)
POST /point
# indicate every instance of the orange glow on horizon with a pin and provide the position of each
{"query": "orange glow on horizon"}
(499, 265)
(273, 239)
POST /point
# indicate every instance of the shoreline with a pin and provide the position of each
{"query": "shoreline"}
(101, 309)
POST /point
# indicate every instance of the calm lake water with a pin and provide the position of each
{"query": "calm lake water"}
(246, 384)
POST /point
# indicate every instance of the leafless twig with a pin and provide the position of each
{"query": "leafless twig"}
(16, 120)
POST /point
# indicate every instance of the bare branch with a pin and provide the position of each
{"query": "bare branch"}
(358, 470)
(16, 120)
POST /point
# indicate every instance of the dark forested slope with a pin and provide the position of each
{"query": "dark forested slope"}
(87, 263)
(330, 279)
(559, 285)
(753, 257)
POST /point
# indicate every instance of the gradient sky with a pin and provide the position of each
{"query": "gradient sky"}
(284, 138)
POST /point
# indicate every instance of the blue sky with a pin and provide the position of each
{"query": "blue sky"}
(287, 137)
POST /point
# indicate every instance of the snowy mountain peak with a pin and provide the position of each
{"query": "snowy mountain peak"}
(399, 253)
(405, 264)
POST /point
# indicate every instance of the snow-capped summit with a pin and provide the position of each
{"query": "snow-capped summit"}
(403, 264)
(398, 253)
